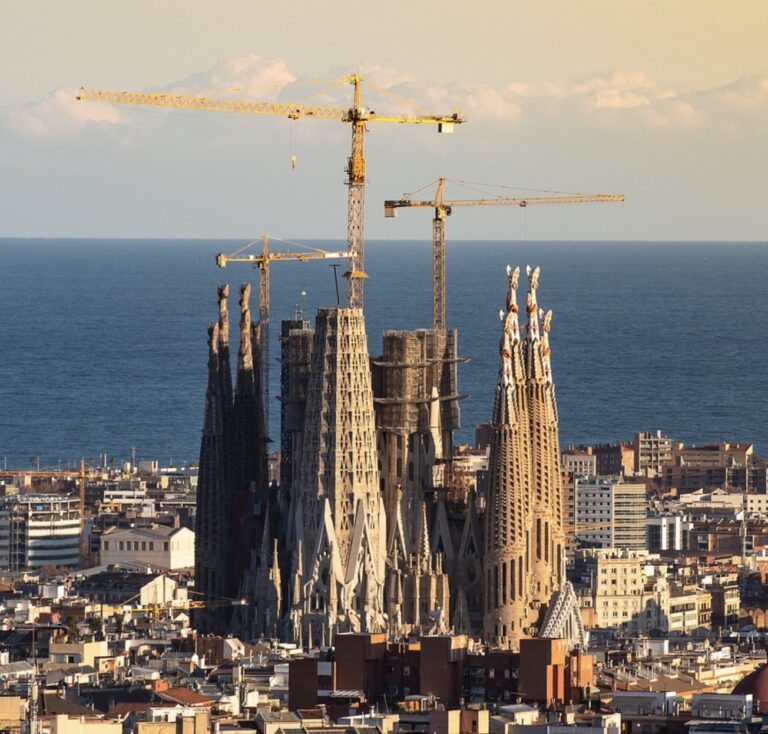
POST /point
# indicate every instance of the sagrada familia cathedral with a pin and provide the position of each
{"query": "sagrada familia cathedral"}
(370, 528)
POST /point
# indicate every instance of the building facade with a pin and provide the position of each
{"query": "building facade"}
(579, 462)
(665, 533)
(38, 530)
(610, 513)
(614, 583)
(652, 452)
(157, 546)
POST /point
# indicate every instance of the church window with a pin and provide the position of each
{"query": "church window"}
(504, 585)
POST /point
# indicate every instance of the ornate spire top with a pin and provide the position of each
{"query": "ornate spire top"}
(547, 323)
(213, 342)
(514, 277)
(223, 314)
(245, 355)
(532, 307)
(545, 349)
(510, 337)
(213, 349)
(511, 324)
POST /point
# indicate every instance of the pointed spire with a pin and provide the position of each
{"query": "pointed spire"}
(266, 540)
(275, 557)
(507, 407)
(298, 575)
(276, 578)
(511, 332)
(532, 306)
(333, 597)
(223, 314)
(435, 428)
(533, 362)
(545, 349)
(425, 555)
(245, 355)
(213, 347)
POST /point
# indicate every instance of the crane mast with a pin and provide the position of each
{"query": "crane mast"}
(356, 274)
(443, 209)
(357, 115)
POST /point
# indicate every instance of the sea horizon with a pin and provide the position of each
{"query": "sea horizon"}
(102, 354)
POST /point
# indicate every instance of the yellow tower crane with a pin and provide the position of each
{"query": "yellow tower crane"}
(443, 209)
(357, 115)
(262, 263)
(155, 608)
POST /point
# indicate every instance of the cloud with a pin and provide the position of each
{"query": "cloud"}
(618, 95)
(59, 113)
(741, 107)
(250, 74)
(617, 98)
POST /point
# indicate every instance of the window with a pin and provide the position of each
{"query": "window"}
(120, 545)
(106, 545)
(165, 545)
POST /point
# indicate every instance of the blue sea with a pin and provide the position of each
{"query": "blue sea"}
(103, 342)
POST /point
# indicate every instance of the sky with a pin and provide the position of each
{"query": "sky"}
(664, 102)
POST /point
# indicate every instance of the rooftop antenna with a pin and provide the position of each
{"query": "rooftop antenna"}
(336, 281)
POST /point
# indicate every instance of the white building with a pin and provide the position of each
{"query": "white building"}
(652, 452)
(157, 546)
(665, 532)
(610, 513)
(38, 530)
(580, 463)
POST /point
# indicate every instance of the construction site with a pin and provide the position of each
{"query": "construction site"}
(373, 526)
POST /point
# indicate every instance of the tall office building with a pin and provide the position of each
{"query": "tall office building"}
(610, 513)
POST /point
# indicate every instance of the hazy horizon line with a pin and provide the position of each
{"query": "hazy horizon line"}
(297, 240)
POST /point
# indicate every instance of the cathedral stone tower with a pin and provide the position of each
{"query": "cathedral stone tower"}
(338, 532)
(213, 546)
(523, 560)
(233, 497)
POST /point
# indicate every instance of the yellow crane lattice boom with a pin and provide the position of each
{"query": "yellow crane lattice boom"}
(443, 209)
(357, 115)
